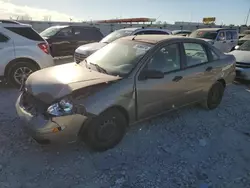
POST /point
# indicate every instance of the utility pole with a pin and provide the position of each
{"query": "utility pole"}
(247, 16)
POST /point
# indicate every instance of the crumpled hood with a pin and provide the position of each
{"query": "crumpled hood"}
(55, 82)
(241, 56)
(90, 48)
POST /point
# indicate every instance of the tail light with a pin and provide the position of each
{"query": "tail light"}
(44, 47)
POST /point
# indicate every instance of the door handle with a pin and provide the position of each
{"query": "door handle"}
(209, 69)
(177, 78)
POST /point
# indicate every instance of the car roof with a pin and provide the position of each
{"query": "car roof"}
(154, 39)
(144, 29)
(214, 29)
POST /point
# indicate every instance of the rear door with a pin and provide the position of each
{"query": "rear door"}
(85, 35)
(201, 67)
(6, 51)
(158, 95)
(230, 41)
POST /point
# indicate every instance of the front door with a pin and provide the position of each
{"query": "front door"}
(220, 42)
(158, 95)
(62, 42)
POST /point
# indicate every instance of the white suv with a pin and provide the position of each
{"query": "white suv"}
(222, 38)
(22, 51)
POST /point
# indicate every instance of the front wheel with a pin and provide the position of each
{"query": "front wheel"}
(106, 131)
(214, 97)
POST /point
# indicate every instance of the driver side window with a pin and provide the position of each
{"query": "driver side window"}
(66, 32)
(167, 59)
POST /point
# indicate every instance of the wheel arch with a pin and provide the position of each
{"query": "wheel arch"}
(15, 61)
(121, 109)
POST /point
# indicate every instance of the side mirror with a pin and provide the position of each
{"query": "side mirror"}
(236, 47)
(151, 74)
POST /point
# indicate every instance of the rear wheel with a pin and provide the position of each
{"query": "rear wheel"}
(215, 96)
(20, 71)
(106, 131)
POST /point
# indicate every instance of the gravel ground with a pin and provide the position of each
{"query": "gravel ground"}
(190, 148)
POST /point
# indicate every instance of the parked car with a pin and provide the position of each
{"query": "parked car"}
(129, 80)
(243, 39)
(85, 50)
(65, 39)
(244, 33)
(242, 55)
(22, 51)
(221, 38)
(181, 32)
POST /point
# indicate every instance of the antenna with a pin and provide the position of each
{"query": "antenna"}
(247, 16)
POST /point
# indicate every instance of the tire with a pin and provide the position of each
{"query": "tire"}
(26, 66)
(214, 97)
(114, 122)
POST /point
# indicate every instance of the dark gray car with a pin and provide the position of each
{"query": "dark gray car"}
(85, 50)
(129, 80)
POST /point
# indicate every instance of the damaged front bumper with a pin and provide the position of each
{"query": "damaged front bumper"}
(53, 130)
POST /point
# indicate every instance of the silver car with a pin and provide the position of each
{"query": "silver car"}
(242, 55)
(131, 79)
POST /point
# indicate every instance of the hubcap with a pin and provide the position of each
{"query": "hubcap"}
(107, 130)
(21, 74)
(215, 96)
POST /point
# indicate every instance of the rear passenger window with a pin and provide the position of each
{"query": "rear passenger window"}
(3, 38)
(149, 32)
(88, 33)
(26, 32)
(235, 35)
(214, 55)
(195, 54)
(167, 59)
(229, 35)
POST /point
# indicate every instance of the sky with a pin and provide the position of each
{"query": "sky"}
(225, 11)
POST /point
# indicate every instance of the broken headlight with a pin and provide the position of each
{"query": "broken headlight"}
(61, 108)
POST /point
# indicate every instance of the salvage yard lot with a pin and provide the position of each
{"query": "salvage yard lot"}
(185, 148)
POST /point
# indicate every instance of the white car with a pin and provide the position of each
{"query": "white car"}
(22, 51)
(222, 38)
(242, 56)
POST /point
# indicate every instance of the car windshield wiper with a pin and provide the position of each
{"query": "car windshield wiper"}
(100, 69)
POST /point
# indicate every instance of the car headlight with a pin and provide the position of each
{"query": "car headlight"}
(61, 108)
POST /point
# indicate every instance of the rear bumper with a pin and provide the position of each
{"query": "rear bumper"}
(243, 73)
(63, 129)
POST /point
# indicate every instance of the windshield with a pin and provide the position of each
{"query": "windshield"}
(245, 46)
(118, 58)
(115, 35)
(50, 32)
(204, 34)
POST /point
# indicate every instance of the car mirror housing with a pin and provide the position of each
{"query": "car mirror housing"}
(151, 74)
(236, 47)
